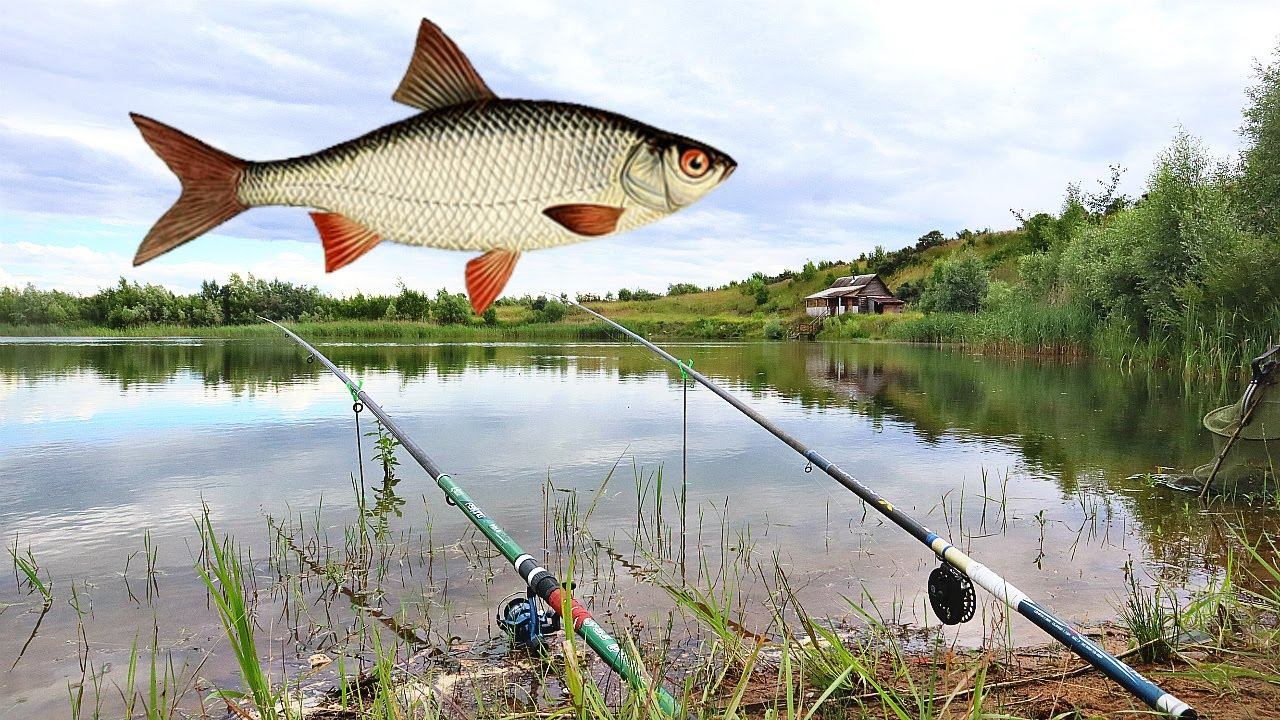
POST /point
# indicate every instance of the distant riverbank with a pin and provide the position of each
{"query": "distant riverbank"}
(699, 329)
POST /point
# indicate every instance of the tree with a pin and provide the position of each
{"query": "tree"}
(1041, 230)
(755, 287)
(876, 260)
(682, 289)
(1259, 187)
(957, 284)
(624, 294)
(450, 308)
(809, 271)
(548, 311)
(933, 238)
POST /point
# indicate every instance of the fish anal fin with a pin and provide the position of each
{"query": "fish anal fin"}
(588, 220)
(439, 74)
(344, 239)
(487, 275)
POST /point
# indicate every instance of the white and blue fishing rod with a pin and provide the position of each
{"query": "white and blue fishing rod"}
(950, 591)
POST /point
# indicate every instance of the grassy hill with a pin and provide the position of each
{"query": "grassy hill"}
(728, 312)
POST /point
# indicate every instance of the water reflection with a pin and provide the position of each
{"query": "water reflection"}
(1021, 461)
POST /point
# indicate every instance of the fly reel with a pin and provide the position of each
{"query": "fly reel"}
(951, 595)
(522, 618)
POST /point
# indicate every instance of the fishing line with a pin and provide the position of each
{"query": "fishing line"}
(539, 580)
(973, 572)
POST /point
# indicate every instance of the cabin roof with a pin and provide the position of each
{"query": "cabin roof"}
(853, 280)
(848, 286)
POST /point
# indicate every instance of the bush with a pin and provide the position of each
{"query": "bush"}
(490, 316)
(683, 289)
(1039, 272)
(756, 288)
(1041, 231)
(957, 284)
(774, 329)
(548, 311)
(1259, 186)
(809, 271)
(450, 308)
(1133, 265)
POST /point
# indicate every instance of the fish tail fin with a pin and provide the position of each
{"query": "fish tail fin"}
(210, 179)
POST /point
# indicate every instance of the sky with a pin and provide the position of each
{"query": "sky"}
(853, 123)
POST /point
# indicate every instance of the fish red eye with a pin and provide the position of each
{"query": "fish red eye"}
(694, 163)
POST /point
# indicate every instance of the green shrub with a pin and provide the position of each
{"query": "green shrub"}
(774, 329)
(450, 308)
(548, 311)
(1259, 185)
(957, 284)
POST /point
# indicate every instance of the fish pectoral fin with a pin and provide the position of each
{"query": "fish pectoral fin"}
(439, 74)
(344, 239)
(588, 220)
(487, 275)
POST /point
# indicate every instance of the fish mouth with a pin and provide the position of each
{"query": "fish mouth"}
(729, 167)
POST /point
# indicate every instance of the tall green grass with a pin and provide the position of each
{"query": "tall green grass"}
(224, 579)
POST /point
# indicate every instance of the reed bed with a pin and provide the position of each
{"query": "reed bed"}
(367, 617)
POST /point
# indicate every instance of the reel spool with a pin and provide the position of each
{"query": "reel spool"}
(522, 618)
(951, 595)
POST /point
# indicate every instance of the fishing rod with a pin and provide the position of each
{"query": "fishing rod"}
(951, 584)
(541, 583)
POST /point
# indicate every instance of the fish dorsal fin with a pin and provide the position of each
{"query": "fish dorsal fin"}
(587, 220)
(344, 239)
(487, 275)
(439, 75)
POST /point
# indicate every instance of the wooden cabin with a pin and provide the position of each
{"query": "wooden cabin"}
(853, 294)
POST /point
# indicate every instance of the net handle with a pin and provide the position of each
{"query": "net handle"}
(1263, 364)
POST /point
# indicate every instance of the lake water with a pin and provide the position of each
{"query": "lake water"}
(105, 441)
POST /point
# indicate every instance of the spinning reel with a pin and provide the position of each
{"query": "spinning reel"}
(951, 595)
(523, 619)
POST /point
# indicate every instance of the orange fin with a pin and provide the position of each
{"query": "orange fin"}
(344, 239)
(589, 220)
(439, 75)
(487, 275)
(210, 179)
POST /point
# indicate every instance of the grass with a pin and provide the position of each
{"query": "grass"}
(27, 570)
(224, 579)
(799, 670)
(331, 579)
(1152, 620)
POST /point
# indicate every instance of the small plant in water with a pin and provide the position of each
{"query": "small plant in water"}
(1152, 619)
(27, 571)
(225, 582)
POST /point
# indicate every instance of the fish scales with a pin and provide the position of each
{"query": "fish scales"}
(471, 171)
(468, 177)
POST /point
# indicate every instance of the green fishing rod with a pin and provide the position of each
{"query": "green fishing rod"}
(950, 585)
(538, 579)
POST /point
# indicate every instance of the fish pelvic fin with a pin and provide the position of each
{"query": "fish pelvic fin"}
(210, 179)
(586, 220)
(487, 275)
(439, 75)
(344, 239)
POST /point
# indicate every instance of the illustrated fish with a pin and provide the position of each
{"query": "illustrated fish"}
(470, 172)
